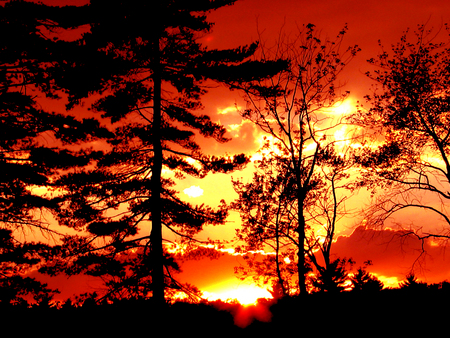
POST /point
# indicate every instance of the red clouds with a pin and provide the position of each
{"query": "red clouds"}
(394, 254)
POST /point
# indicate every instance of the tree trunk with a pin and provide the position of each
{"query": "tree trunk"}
(277, 259)
(301, 250)
(157, 255)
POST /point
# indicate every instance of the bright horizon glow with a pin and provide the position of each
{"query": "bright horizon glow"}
(388, 282)
(245, 294)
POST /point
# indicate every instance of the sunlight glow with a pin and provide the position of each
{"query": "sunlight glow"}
(227, 110)
(262, 140)
(344, 107)
(232, 251)
(37, 190)
(389, 282)
(195, 163)
(340, 135)
(193, 191)
(244, 294)
(234, 128)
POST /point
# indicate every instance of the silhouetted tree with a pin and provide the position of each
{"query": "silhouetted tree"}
(409, 116)
(332, 278)
(33, 142)
(327, 210)
(147, 77)
(411, 283)
(364, 281)
(16, 259)
(289, 196)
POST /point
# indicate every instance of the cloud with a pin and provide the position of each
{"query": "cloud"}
(393, 254)
(243, 137)
(193, 191)
(226, 110)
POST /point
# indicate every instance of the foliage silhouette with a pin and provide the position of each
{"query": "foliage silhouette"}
(35, 145)
(363, 281)
(294, 188)
(411, 283)
(15, 259)
(408, 114)
(33, 142)
(146, 78)
(360, 310)
(333, 277)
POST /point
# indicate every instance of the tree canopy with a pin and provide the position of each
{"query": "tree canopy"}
(145, 79)
(293, 191)
(410, 108)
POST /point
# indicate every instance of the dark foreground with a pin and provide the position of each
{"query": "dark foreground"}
(384, 313)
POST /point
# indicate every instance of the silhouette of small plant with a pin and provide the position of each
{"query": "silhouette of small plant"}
(334, 277)
(365, 281)
(412, 283)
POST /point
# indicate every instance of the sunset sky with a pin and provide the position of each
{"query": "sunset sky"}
(368, 22)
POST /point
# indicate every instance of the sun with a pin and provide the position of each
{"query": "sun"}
(244, 294)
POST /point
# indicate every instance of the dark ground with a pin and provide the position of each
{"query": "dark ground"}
(389, 313)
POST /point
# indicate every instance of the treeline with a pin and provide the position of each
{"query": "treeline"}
(94, 183)
(403, 310)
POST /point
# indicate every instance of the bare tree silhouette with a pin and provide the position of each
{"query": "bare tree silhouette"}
(294, 189)
(408, 115)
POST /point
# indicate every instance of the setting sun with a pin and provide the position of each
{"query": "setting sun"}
(245, 294)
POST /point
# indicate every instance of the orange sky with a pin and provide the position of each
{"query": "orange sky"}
(368, 21)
